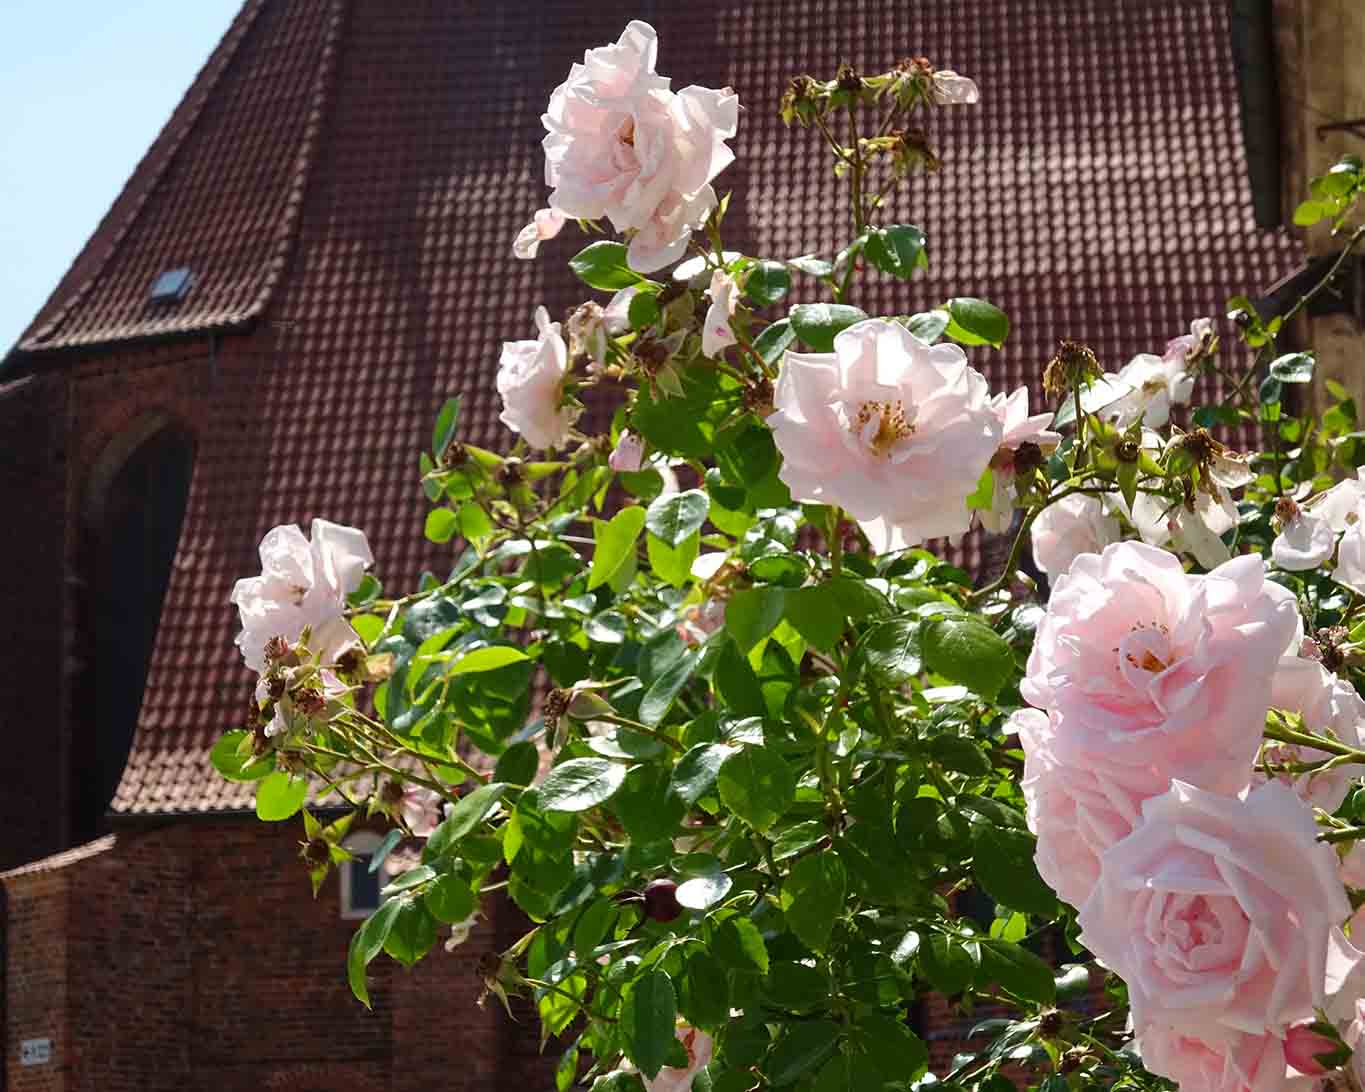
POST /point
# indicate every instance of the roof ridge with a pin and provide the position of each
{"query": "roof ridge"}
(279, 249)
(287, 228)
(203, 86)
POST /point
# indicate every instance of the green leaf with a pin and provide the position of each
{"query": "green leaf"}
(810, 265)
(892, 650)
(891, 1046)
(969, 652)
(592, 927)
(946, 964)
(739, 945)
(796, 838)
(366, 943)
(898, 250)
(928, 326)
(489, 658)
(757, 785)
(1270, 391)
(737, 684)
(796, 987)
(1017, 970)
(664, 690)
(411, 878)
(767, 283)
(816, 324)
(752, 614)
(803, 1048)
(413, 932)
(705, 994)
(614, 543)
(1073, 982)
(447, 420)
(813, 898)
(976, 322)
(1293, 368)
(775, 340)
(1005, 870)
(581, 783)
(450, 899)
(518, 764)
(1310, 212)
(463, 818)
(703, 892)
(236, 763)
(673, 564)
(603, 265)
(643, 310)
(442, 523)
(696, 771)
(675, 517)
(816, 614)
(280, 796)
(645, 808)
(649, 1011)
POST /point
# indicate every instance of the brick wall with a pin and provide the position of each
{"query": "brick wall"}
(192, 956)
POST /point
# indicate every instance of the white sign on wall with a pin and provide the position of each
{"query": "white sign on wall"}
(35, 1051)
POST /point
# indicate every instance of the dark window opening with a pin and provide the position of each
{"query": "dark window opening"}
(126, 566)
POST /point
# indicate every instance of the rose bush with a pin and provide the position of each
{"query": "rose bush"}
(759, 773)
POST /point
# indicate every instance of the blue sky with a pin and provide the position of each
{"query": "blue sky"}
(85, 86)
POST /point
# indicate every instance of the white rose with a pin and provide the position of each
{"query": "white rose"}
(531, 382)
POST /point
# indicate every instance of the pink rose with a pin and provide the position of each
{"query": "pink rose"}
(1142, 665)
(1077, 811)
(628, 453)
(950, 89)
(621, 145)
(699, 1047)
(1244, 1063)
(896, 431)
(1018, 427)
(547, 224)
(1216, 912)
(1075, 525)
(716, 335)
(1303, 1045)
(531, 381)
(302, 584)
(1328, 706)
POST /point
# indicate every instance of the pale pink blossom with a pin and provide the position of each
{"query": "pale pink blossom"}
(1076, 810)
(1309, 535)
(1187, 348)
(1075, 525)
(1145, 666)
(622, 145)
(1196, 530)
(1354, 1037)
(895, 431)
(1236, 1063)
(303, 584)
(421, 809)
(1157, 383)
(547, 224)
(1216, 912)
(950, 89)
(716, 334)
(1329, 706)
(628, 453)
(1019, 428)
(530, 380)
(699, 1048)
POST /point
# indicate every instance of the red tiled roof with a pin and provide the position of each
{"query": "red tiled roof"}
(352, 172)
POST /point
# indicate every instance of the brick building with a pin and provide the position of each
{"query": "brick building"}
(341, 184)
